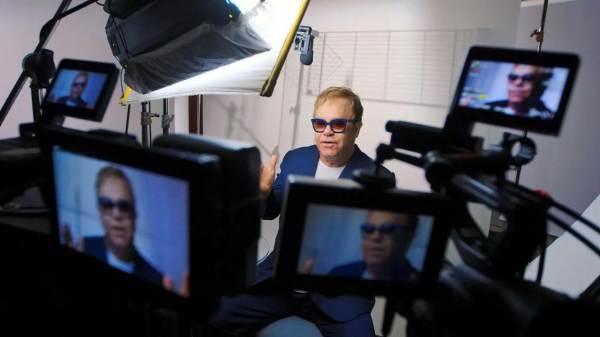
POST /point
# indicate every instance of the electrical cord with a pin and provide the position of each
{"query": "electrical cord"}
(566, 210)
(540, 271)
(575, 233)
(576, 216)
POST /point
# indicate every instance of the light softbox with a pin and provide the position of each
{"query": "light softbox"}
(182, 47)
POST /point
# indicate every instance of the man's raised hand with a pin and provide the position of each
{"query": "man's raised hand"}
(267, 175)
(184, 290)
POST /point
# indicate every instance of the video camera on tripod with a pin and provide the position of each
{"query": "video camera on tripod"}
(153, 234)
(392, 242)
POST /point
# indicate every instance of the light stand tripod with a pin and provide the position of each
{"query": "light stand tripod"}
(538, 34)
(146, 121)
(39, 65)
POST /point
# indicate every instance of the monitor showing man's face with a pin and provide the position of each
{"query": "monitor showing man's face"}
(523, 81)
(77, 89)
(385, 238)
(117, 210)
(513, 89)
(133, 220)
(365, 244)
(78, 85)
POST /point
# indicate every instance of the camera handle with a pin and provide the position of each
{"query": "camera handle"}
(476, 176)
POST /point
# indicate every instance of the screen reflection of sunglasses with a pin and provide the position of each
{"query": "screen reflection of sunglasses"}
(384, 229)
(524, 78)
(107, 204)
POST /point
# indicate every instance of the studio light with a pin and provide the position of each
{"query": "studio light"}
(183, 47)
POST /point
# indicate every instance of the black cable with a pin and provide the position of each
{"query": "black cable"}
(575, 233)
(540, 271)
(127, 121)
(44, 29)
(568, 211)
(73, 10)
(576, 216)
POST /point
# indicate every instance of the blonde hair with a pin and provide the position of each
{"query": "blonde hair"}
(341, 92)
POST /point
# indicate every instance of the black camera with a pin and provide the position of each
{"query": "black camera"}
(371, 239)
(359, 240)
(150, 234)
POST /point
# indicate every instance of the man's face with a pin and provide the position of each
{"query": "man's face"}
(333, 145)
(117, 212)
(380, 245)
(522, 82)
(78, 85)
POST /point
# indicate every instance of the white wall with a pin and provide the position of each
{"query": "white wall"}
(567, 166)
(280, 123)
(80, 36)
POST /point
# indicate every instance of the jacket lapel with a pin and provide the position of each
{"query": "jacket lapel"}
(311, 165)
(356, 162)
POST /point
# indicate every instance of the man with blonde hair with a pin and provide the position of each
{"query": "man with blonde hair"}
(526, 85)
(336, 120)
(80, 82)
(386, 237)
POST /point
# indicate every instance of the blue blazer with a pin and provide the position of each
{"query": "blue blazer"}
(80, 102)
(96, 247)
(402, 272)
(303, 161)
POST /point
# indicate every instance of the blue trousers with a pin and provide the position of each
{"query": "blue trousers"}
(246, 314)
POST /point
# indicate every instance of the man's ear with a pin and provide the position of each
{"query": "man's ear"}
(357, 127)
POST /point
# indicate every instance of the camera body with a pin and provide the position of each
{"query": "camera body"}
(486, 294)
(370, 241)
